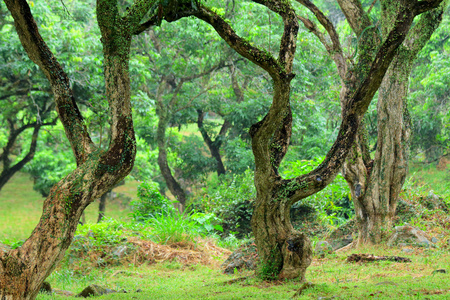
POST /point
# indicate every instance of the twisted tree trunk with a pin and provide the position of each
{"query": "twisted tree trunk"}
(23, 270)
(284, 252)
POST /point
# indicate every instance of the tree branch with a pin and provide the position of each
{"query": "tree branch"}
(40, 54)
(353, 110)
(261, 58)
(335, 49)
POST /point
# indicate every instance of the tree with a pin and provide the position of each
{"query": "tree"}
(284, 252)
(375, 184)
(23, 270)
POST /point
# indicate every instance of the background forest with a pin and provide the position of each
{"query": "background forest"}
(194, 100)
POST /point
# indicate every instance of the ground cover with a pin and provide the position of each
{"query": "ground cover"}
(191, 269)
(331, 276)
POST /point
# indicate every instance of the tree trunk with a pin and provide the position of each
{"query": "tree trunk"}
(375, 185)
(173, 185)
(376, 200)
(102, 206)
(23, 270)
(285, 253)
(8, 171)
(213, 146)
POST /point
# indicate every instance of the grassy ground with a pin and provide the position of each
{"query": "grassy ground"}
(332, 276)
(21, 207)
(432, 179)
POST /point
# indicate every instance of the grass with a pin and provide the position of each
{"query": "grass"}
(21, 207)
(176, 278)
(432, 179)
(331, 276)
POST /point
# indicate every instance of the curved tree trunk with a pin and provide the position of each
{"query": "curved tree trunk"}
(213, 146)
(8, 171)
(285, 253)
(23, 270)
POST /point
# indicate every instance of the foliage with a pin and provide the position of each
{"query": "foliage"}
(173, 228)
(109, 232)
(150, 203)
(230, 198)
(50, 164)
(332, 203)
(429, 98)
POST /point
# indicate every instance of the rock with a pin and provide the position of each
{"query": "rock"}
(448, 242)
(245, 257)
(5, 248)
(95, 290)
(342, 242)
(138, 291)
(119, 251)
(46, 288)
(409, 235)
(434, 240)
(323, 247)
(63, 293)
(424, 244)
(433, 202)
(406, 250)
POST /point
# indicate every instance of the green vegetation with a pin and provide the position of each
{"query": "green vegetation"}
(90, 259)
(194, 101)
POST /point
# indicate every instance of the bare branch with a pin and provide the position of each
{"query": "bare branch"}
(261, 58)
(39, 52)
(335, 49)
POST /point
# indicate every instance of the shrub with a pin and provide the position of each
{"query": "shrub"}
(150, 202)
(230, 199)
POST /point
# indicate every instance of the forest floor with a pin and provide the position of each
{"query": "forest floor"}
(192, 270)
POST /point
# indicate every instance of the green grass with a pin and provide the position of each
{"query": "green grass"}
(331, 276)
(21, 207)
(432, 179)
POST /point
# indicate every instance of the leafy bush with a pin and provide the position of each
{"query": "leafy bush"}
(48, 167)
(107, 232)
(230, 199)
(150, 202)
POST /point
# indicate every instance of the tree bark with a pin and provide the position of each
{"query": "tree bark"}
(8, 171)
(375, 185)
(163, 114)
(23, 270)
(102, 206)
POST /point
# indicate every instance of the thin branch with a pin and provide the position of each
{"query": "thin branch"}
(40, 54)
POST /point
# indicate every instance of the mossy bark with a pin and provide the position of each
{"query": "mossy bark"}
(376, 184)
(23, 270)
